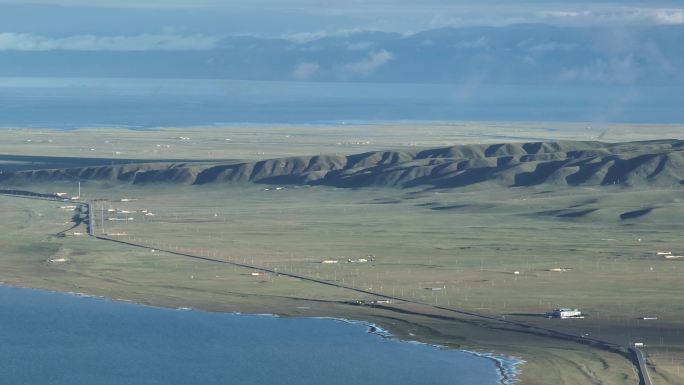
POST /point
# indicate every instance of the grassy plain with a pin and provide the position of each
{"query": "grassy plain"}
(261, 142)
(456, 248)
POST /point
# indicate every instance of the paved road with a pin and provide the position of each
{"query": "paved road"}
(91, 219)
(644, 377)
(31, 195)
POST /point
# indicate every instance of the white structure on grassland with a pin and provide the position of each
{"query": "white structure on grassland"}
(565, 313)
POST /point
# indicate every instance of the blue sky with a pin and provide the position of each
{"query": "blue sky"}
(325, 40)
(31, 25)
(285, 17)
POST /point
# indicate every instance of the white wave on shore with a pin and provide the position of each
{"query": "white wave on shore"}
(508, 366)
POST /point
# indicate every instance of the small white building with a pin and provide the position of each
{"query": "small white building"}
(564, 313)
(435, 288)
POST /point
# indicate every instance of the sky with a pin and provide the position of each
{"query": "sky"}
(332, 40)
(291, 17)
(38, 25)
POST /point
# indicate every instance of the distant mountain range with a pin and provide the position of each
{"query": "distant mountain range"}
(652, 163)
(517, 54)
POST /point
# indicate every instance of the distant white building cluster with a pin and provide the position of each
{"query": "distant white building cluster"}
(669, 255)
(370, 258)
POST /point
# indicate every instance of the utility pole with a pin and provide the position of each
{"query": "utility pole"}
(102, 216)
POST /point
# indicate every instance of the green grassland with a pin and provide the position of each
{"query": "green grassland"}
(265, 142)
(101, 268)
(465, 242)
(470, 249)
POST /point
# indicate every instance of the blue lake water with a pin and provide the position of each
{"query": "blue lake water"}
(80, 102)
(55, 338)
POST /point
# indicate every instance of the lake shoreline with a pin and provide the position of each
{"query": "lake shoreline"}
(508, 367)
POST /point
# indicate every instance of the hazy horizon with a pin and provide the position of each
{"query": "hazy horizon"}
(492, 42)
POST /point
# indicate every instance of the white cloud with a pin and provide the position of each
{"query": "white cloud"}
(563, 14)
(670, 16)
(304, 71)
(613, 15)
(146, 42)
(307, 37)
(367, 66)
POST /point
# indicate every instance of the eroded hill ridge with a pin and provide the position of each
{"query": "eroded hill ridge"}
(512, 164)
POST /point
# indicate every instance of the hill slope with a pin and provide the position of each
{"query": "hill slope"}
(512, 164)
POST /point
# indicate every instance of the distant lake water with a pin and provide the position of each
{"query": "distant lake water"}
(142, 103)
(55, 338)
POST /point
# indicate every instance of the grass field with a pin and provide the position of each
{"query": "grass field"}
(457, 248)
(466, 252)
(264, 142)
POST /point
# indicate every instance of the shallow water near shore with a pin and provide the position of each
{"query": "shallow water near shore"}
(57, 338)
